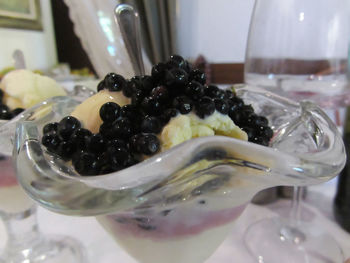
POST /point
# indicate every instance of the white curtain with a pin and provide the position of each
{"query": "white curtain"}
(100, 36)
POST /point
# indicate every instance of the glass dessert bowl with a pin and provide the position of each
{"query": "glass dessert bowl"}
(179, 205)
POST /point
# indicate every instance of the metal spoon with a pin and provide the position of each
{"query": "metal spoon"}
(129, 23)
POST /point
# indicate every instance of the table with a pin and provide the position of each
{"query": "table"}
(102, 249)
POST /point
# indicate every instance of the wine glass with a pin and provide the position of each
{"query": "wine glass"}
(184, 201)
(298, 49)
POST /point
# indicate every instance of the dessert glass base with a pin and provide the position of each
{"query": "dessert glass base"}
(45, 249)
(182, 202)
(280, 240)
(25, 243)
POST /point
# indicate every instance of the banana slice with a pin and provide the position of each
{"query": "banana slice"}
(88, 112)
(185, 127)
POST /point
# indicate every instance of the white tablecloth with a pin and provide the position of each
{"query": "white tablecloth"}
(102, 249)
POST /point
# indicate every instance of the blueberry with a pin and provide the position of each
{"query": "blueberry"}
(260, 140)
(151, 106)
(114, 82)
(261, 121)
(249, 118)
(104, 164)
(122, 128)
(117, 143)
(194, 90)
(167, 115)
(100, 86)
(248, 108)
(250, 132)
(129, 111)
(211, 91)
(80, 138)
(67, 126)
(243, 117)
(134, 143)
(177, 79)
(137, 97)
(183, 104)
(5, 113)
(86, 164)
(106, 130)
(50, 127)
(129, 89)
(66, 149)
(228, 94)
(151, 125)
(144, 83)
(220, 94)
(160, 93)
(1, 95)
(266, 132)
(221, 106)
(51, 141)
(133, 84)
(205, 107)
(236, 116)
(96, 143)
(118, 156)
(17, 111)
(148, 144)
(235, 103)
(147, 83)
(197, 75)
(109, 112)
(177, 61)
(159, 72)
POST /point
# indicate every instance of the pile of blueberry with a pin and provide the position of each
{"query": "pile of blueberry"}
(130, 132)
(5, 112)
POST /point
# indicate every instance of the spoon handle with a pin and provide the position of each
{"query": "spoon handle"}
(129, 24)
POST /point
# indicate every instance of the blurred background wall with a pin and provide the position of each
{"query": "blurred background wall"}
(39, 47)
(216, 31)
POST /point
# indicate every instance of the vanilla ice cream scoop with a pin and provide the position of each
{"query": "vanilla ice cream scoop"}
(24, 89)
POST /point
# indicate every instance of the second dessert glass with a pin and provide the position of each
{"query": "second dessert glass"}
(25, 242)
(179, 205)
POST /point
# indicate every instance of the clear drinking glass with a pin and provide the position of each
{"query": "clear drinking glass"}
(298, 49)
(179, 205)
